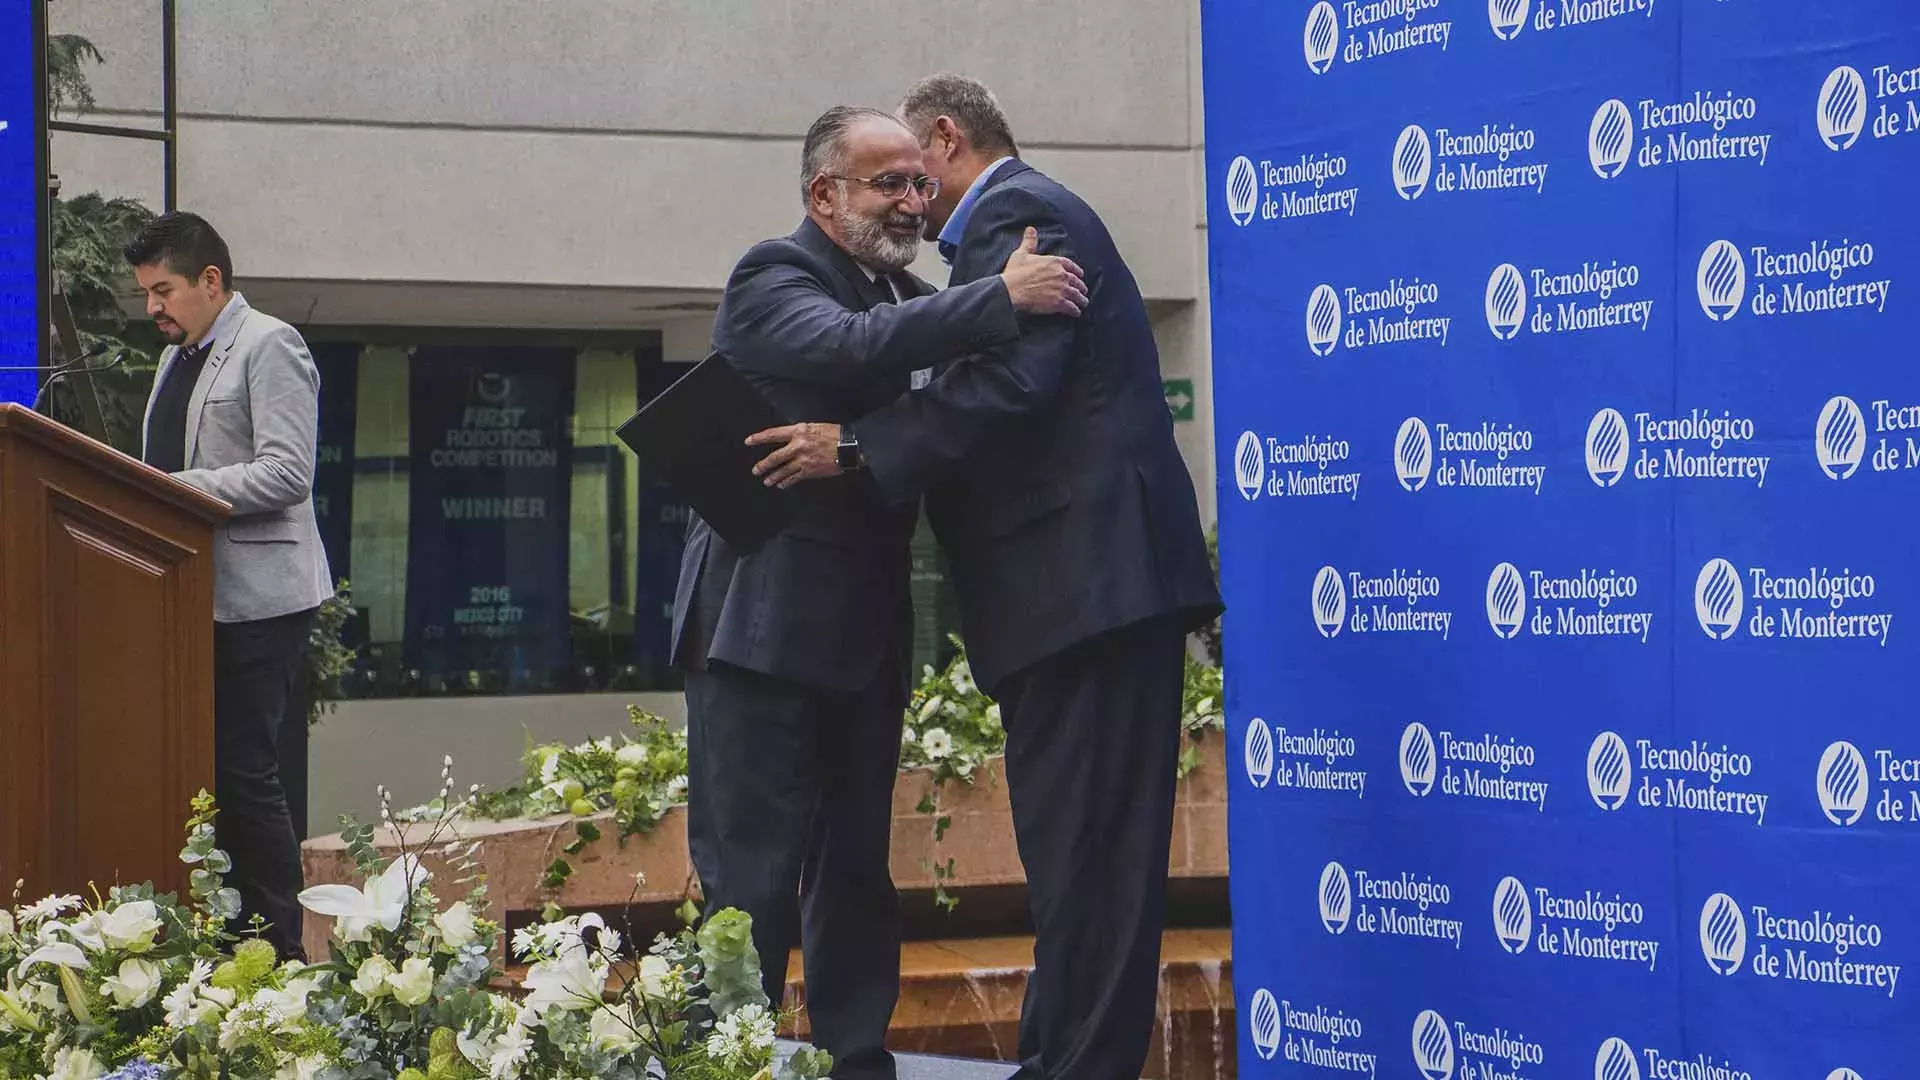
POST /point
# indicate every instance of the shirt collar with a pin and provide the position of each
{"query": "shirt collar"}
(223, 322)
(956, 226)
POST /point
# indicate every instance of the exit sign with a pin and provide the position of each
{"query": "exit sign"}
(1179, 394)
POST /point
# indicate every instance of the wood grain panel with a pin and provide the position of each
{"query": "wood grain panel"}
(106, 660)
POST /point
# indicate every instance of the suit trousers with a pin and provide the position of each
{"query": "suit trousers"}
(255, 665)
(1093, 742)
(790, 820)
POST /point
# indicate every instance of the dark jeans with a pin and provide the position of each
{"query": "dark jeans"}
(1093, 740)
(255, 664)
(790, 820)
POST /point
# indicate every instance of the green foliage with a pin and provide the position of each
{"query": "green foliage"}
(67, 86)
(731, 962)
(328, 658)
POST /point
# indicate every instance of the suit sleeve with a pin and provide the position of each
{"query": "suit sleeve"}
(910, 443)
(283, 396)
(778, 319)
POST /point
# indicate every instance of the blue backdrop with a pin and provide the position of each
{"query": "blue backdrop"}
(1568, 417)
(23, 193)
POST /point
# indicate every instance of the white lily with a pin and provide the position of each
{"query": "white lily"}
(574, 981)
(59, 954)
(382, 903)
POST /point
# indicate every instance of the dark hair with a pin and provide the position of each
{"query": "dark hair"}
(825, 149)
(184, 243)
(968, 102)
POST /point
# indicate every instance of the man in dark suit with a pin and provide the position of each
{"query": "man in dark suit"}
(796, 653)
(1079, 564)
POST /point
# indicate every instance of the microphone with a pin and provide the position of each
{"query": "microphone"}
(78, 367)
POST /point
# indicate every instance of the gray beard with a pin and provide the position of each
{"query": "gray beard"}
(867, 241)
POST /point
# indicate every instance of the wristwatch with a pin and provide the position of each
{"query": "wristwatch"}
(850, 459)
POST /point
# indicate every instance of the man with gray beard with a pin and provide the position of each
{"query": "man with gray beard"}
(796, 654)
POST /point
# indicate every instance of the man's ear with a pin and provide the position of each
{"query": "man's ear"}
(948, 139)
(211, 276)
(820, 195)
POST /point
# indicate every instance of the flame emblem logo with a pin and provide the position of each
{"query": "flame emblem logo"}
(1840, 439)
(1842, 112)
(1615, 1061)
(1432, 1046)
(1843, 783)
(493, 387)
(1413, 454)
(1506, 600)
(1329, 601)
(1607, 447)
(1336, 898)
(1512, 916)
(1719, 599)
(1609, 771)
(1507, 17)
(1259, 750)
(1610, 139)
(1721, 280)
(1321, 41)
(1243, 191)
(1263, 1019)
(1412, 162)
(1506, 301)
(1723, 934)
(1249, 466)
(1418, 759)
(1323, 320)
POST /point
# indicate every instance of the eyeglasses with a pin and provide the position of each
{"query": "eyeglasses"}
(895, 185)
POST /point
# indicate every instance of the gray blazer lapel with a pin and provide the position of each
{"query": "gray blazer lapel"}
(197, 402)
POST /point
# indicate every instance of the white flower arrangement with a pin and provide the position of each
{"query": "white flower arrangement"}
(137, 987)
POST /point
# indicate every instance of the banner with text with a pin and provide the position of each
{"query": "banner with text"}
(1568, 436)
(490, 480)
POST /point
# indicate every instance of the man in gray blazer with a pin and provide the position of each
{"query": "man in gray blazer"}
(235, 412)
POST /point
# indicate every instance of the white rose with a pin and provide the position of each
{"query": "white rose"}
(457, 926)
(656, 978)
(371, 981)
(632, 756)
(614, 1031)
(131, 926)
(413, 983)
(134, 986)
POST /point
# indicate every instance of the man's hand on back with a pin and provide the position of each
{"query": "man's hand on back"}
(1043, 284)
(811, 452)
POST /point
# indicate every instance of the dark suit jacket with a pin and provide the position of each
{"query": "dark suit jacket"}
(824, 601)
(1049, 464)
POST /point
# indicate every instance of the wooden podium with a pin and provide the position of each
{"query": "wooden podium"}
(106, 661)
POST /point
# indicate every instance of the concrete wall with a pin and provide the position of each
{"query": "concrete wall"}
(596, 164)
